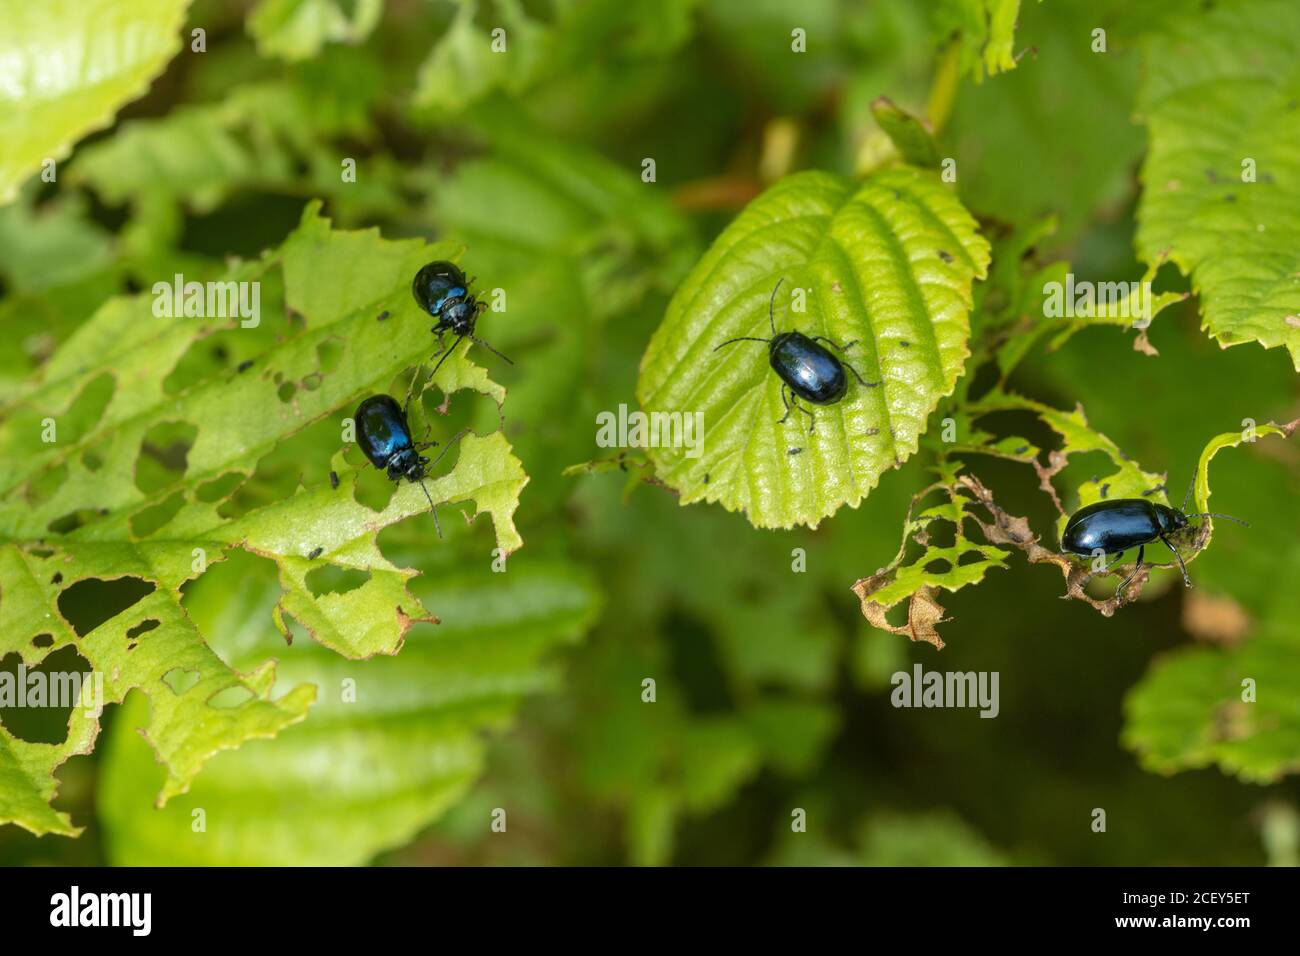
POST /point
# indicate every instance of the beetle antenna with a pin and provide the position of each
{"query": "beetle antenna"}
(1188, 497)
(475, 338)
(455, 438)
(433, 509)
(1215, 514)
(410, 390)
(771, 305)
(743, 338)
(444, 356)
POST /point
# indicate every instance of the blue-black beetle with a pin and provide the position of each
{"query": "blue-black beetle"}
(385, 439)
(809, 370)
(1113, 527)
(441, 289)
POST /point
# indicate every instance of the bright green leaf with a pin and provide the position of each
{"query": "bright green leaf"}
(390, 743)
(67, 66)
(118, 467)
(887, 266)
(1221, 196)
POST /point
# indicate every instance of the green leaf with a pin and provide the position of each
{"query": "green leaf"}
(568, 240)
(464, 67)
(887, 265)
(917, 576)
(935, 838)
(270, 136)
(910, 135)
(931, 839)
(949, 566)
(390, 744)
(132, 456)
(61, 78)
(1221, 92)
(472, 59)
(986, 30)
(1055, 134)
(297, 29)
(1232, 706)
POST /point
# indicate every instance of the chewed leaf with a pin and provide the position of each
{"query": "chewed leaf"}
(140, 454)
(1221, 196)
(61, 78)
(918, 578)
(886, 266)
(1210, 705)
(411, 738)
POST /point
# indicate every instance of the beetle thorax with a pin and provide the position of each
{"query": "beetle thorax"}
(1171, 519)
(458, 315)
(406, 464)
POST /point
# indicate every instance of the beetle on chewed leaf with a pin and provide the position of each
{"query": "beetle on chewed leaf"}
(442, 290)
(385, 438)
(809, 370)
(1113, 527)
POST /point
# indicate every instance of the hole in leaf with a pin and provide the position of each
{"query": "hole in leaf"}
(40, 552)
(179, 680)
(43, 640)
(164, 453)
(328, 353)
(41, 486)
(332, 579)
(148, 520)
(88, 407)
(970, 557)
(58, 578)
(280, 471)
(144, 627)
(287, 391)
(219, 489)
(230, 697)
(207, 356)
(40, 699)
(71, 521)
(373, 489)
(938, 566)
(89, 603)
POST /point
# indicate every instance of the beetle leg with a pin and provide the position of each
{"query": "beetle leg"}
(831, 343)
(1181, 566)
(812, 419)
(859, 376)
(410, 390)
(786, 403)
(1136, 568)
(444, 354)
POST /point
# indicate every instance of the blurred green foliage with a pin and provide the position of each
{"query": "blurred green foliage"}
(771, 692)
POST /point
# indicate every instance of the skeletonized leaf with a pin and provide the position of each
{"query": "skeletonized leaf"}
(389, 745)
(134, 456)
